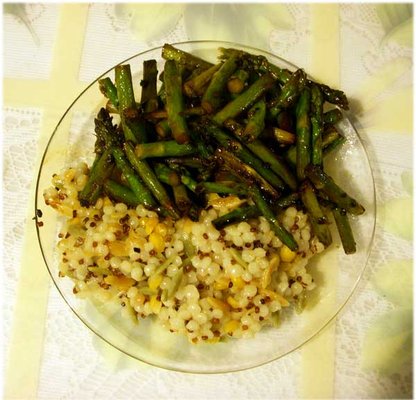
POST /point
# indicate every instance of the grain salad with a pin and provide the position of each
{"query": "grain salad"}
(195, 280)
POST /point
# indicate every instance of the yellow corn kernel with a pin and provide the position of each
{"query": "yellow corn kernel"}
(154, 281)
(238, 282)
(287, 255)
(158, 242)
(215, 303)
(120, 282)
(233, 302)
(269, 293)
(161, 229)
(155, 304)
(221, 283)
(107, 202)
(231, 326)
(118, 248)
(151, 225)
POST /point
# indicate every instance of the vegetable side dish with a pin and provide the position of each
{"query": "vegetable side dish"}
(208, 197)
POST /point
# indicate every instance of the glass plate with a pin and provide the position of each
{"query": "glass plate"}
(335, 274)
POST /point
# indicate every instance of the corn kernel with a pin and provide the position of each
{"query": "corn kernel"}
(231, 326)
(120, 282)
(215, 303)
(151, 225)
(269, 293)
(154, 281)
(118, 248)
(287, 255)
(233, 302)
(157, 240)
(155, 304)
(161, 229)
(214, 339)
(238, 282)
(221, 283)
(107, 202)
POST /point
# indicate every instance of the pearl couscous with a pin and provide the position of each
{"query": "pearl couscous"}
(196, 280)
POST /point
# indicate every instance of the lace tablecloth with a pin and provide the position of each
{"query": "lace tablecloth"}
(52, 51)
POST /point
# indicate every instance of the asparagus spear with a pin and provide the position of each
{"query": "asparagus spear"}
(331, 139)
(318, 220)
(326, 184)
(277, 165)
(196, 85)
(168, 148)
(187, 161)
(303, 132)
(329, 135)
(150, 179)
(120, 193)
(245, 172)
(255, 124)
(337, 142)
(332, 116)
(235, 127)
(162, 129)
(222, 188)
(106, 135)
(259, 63)
(247, 212)
(175, 102)
(334, 96)
(214, 94)
(237, 81)
(184, 203)
(138, 188)
(289, 93)
(190, 61)
(317, 102)
(108, 89)
(245, 99)
(285, 236)
(237, 215)
(100, 171)
(133, 128)
(344, 229)
(245, 155)
(167, 175)
(148, 84)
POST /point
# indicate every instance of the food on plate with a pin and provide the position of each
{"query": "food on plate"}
(207, 198)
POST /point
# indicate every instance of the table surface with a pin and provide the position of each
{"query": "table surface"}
(52, 51)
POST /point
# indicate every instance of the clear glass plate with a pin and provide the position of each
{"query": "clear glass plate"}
(335, 274)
